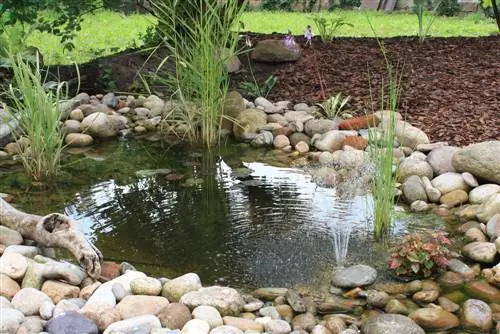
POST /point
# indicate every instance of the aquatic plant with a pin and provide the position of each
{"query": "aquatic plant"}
(382, 154)
(420, 254)
(200, 37)
(37, 109)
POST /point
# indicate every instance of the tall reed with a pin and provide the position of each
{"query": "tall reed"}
(37, 109)
(382, 153)
(200, 37)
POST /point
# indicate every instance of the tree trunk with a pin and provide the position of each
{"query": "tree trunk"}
(495, 11)
(53, 230)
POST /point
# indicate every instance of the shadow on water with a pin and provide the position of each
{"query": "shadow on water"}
(224, 215)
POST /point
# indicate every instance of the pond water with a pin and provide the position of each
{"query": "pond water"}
(237, 217)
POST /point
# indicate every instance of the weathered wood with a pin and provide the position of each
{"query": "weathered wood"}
(53, 230)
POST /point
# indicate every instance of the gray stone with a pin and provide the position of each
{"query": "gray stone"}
(78, 140)
(433, 194)
(226, 330)
(208, 314)
(29, 300)
(320, 126)
(412, 166)
(271, 50)
(483, 252)
(419, 206)
(110, 100)
(10, 237)
(470, 179)
(66, 271)
(65, 305)
(71, 322)
(330, 141)
(409, 135)
(47, 309)
(355, 276)
(440, 159)
(196, 326)
(27, 251)
(448, 182)
(493, 226)
(481, 160)
(277, 327)
(483, 192)
(476, 316)
(391, 324)
(295, 301)
(486, 210)
(146, 286)
(13, 265)
(5, 303)
(31, 325)
(248, 122)
(413, 189)
(461, 268)
(99, 125)
(270, 311)
(264, 138)
(11, 320)
(33, 278)
(226, 300)
(71, 126)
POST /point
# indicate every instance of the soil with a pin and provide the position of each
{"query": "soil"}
(450, 87)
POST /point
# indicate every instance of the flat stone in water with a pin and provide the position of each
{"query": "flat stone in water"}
(152, 172)
(355, 276)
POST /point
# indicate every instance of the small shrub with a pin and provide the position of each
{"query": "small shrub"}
(327, 28)
(253, 89)
(334, 106)
(448, 8)
(420, 254)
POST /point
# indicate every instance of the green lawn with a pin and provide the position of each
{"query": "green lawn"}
(108, 32)
(385, 25)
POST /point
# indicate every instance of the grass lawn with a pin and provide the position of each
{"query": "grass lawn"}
(108, 32)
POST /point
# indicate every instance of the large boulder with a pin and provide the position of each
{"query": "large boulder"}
(226, 300)
(448, 182)
(440, 159)
(355, 276)
(100, 125)
(248, 122)
(330, 141)
(481, 160)
(233, 105)
(413, 189)
(391, 324)
(274, 51)
(409, 135)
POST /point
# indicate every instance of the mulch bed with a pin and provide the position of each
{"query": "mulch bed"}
(450, 86)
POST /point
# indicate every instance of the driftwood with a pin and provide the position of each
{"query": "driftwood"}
(53, 230)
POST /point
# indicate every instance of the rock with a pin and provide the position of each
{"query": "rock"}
(31, 325)
(102, 314)
(413, 189)
(476, 316)
(448, 182)
(110, 100)
(175, 315)
(29, 300)
(99, 125)
(264, 138)
(248, 122)
(65, 271)
(4, 303)
(335, 324)
(196, 326)
(174, 289)
(330, 141)
(87, 291)
(454, 198)
(483, 291)
(377, 299)
(493, 227)
(226, 330)
(420, 206)
(481, 160)
(27, 251)
(58, 290)
(47, 309)
(356, 142)
(351, 159)
(243, 324)
(417, 167)
(33, 278)
(271, 50)
(295, 301)
(483, 252)
(277, 326)
(209, 314)
(13, 265)
(391, 324)
(226, 300)
(475, 234)
(104, 295)
(433, 194)
(355, 276)
(434, 319)
(281, 141)
(425, 297)
(432, 146)
(143, 323)
(71, 126)
(486, 210)
(268, 106)
(298, 137)
(78, 140)
(119, 291)
(11, 320)
(409, 135)
(136, 305)
(483, 192)
(302, 147)
(66, 305)
(269, 293)
(71, 322)
(448, 305)
(146, 286)
(397, 307)
(11, 237)
(269, 311)
(470, 179)
(440, 159)
(233, 105)
(358, 123)
(305, 321)
(320, 126)
(77, 115)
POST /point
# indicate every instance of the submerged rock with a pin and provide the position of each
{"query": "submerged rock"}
(355, 276)
(391, 324)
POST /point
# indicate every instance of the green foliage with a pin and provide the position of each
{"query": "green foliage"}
(106, 77)
(448, 8)
(420, 254)
(284, 5)
(333, 107)
(327, 27)
(253, 89)
(200, 38)
(348, 4)
(420, 9)
(35, 104)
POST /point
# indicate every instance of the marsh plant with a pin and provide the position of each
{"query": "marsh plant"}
(36, 106)
(200, 36)
(382, 144)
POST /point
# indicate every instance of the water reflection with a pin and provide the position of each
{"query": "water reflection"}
(273, 228)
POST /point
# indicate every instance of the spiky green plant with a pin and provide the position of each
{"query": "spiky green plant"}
(334, 106)
(201, 36)
(37, 109)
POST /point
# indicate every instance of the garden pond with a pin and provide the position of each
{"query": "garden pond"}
(236, 216)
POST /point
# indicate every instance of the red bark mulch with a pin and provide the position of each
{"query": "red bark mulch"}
(450, 86)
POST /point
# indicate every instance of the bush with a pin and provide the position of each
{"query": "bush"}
(420, 254)
(448, 8)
